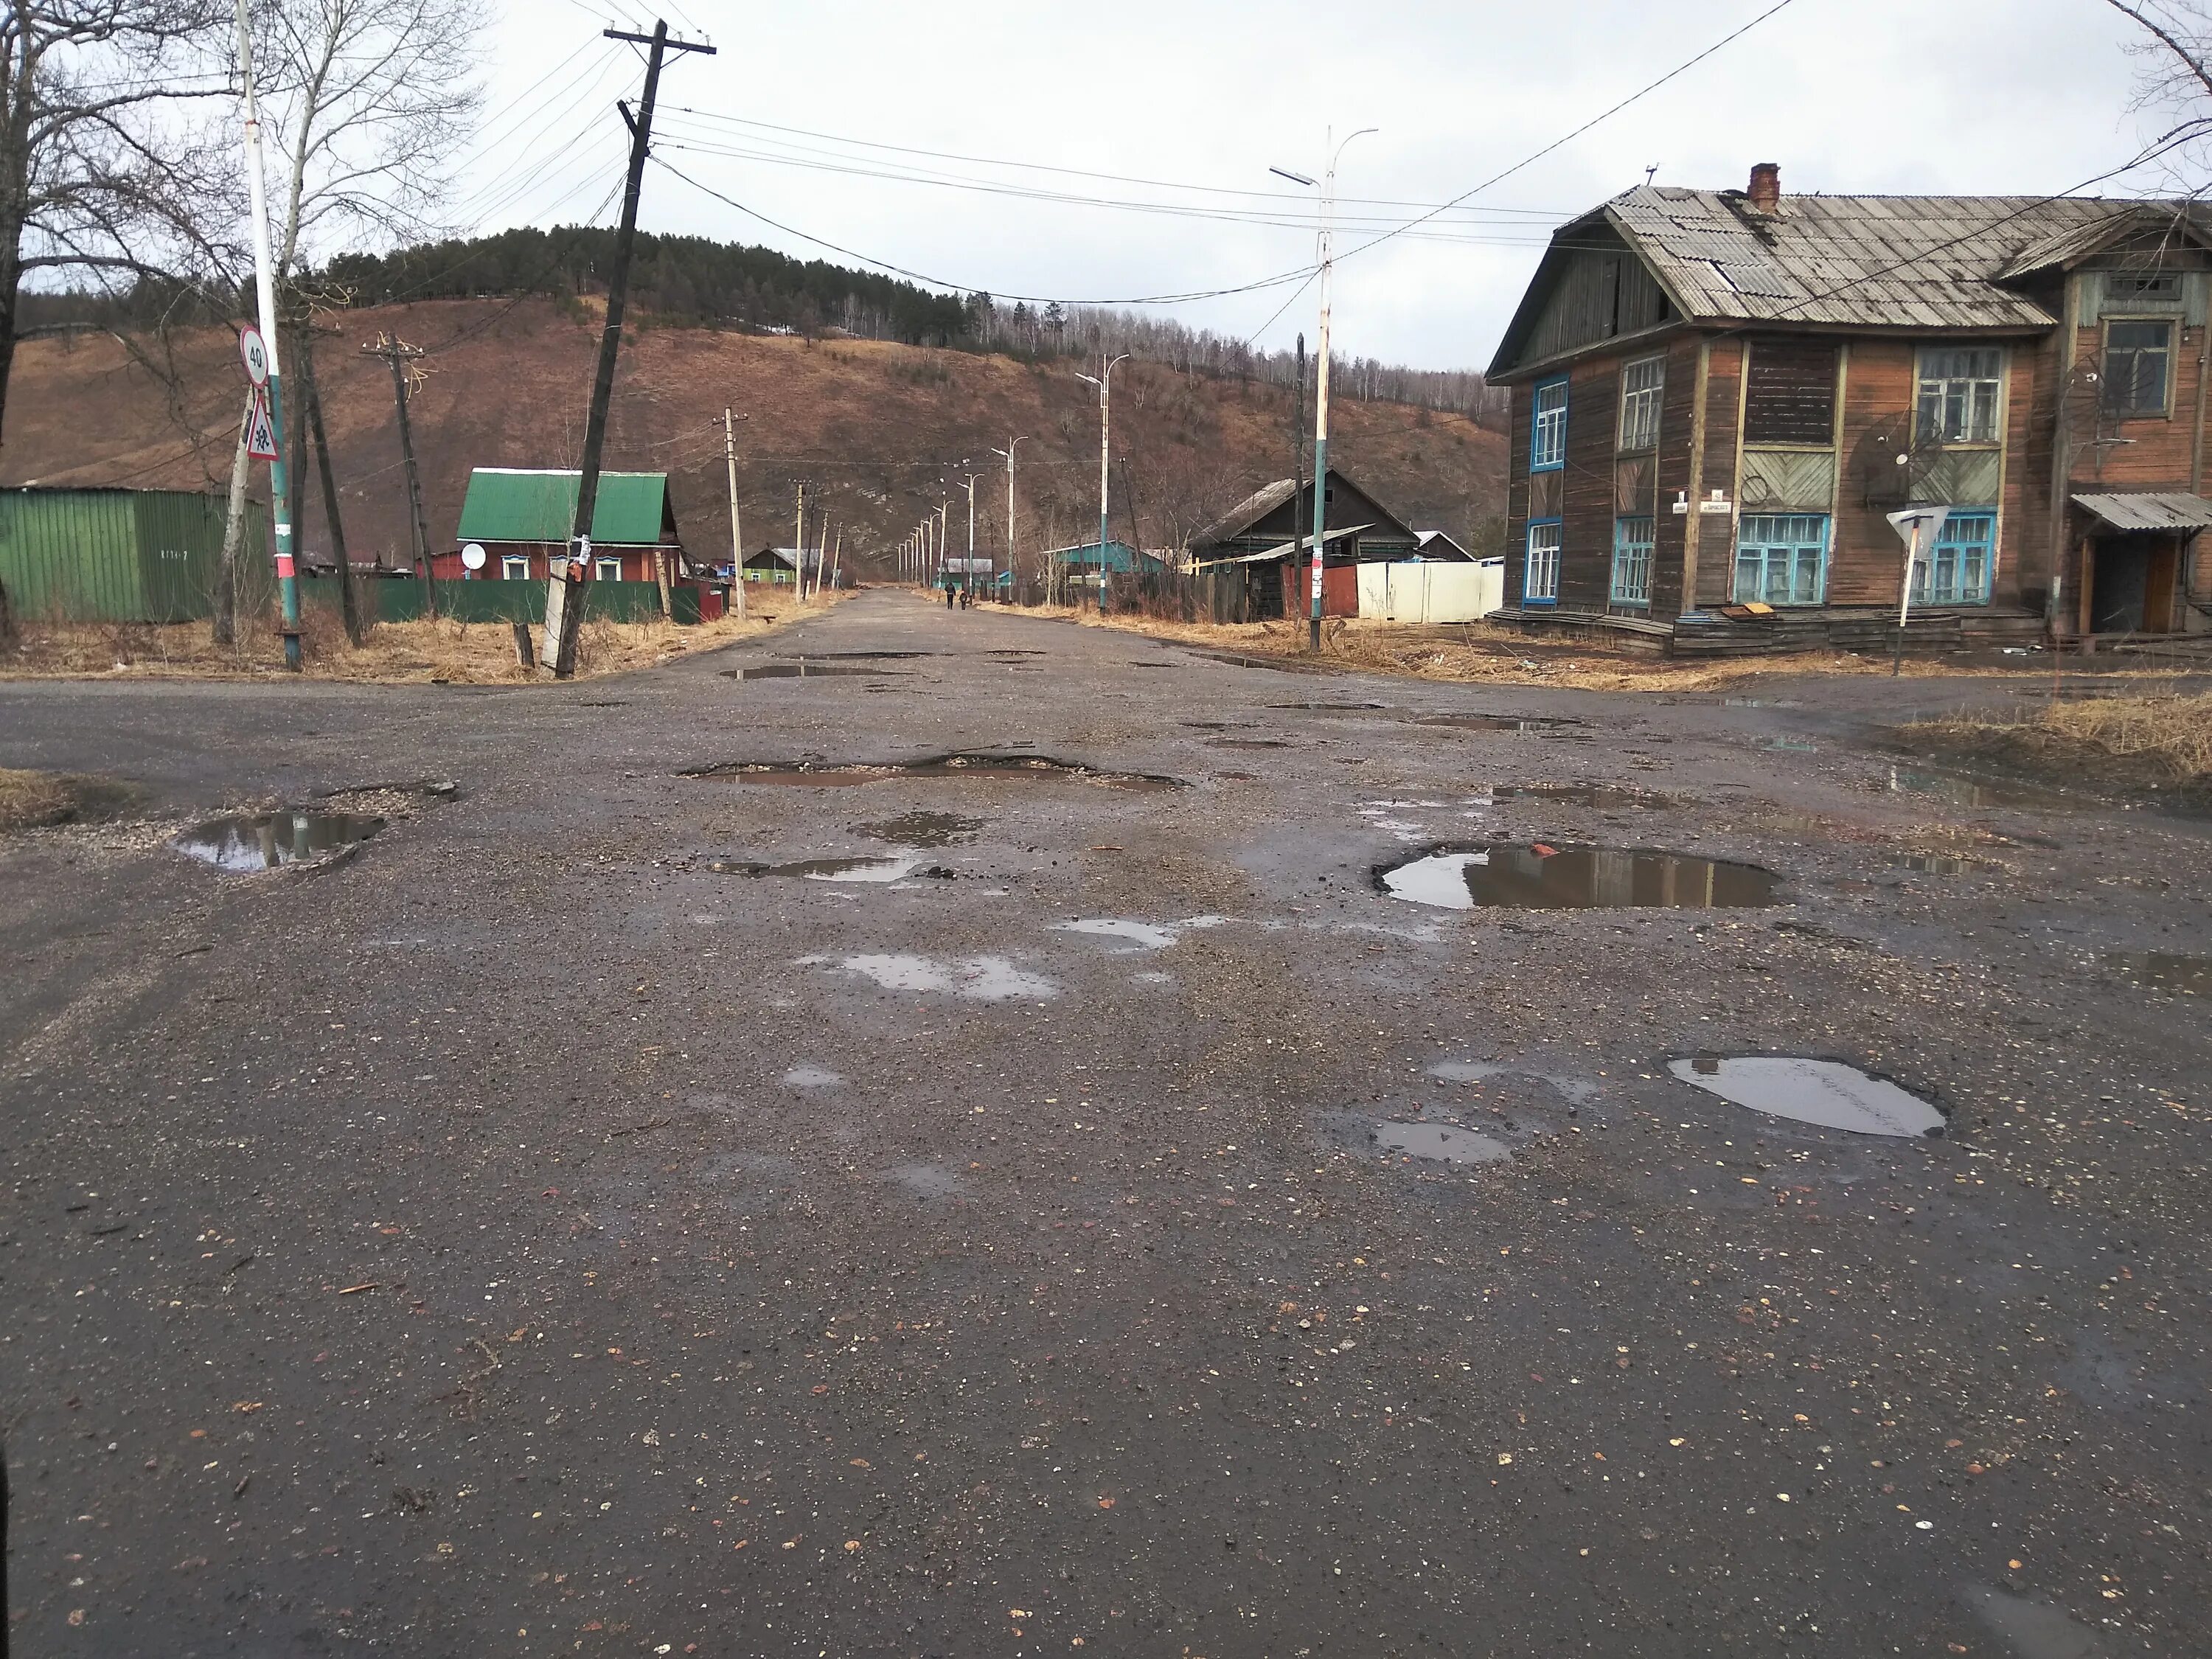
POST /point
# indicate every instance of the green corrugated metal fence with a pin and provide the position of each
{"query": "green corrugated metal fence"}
(123, 555)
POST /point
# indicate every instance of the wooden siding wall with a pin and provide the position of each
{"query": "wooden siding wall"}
(1791, 395)
(1599, 296)
(1723, 422)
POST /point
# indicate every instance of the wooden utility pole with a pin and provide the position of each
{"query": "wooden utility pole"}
(737, 526)
(564, 611)
(312, 402)
(397, 352)
(799, 546)
(837, 560)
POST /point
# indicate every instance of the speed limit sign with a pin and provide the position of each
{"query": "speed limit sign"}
(254, 350)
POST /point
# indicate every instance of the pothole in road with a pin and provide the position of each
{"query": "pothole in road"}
(860, 656)
(921, 830)
(864, 869)
(2163, 970)
(1332, 708)
(927, 1181)
(1539, 876)
(1140, 935)
(805, 671)
(1248, 742)
(1957, 789)
(1530, 724)
(811, 1077)
(1281, 665)
(1442, 1143)
(1576, 794)
(981, 979)
(245, 843)
(1826, 1093)
(1932, 863)
(970, 767)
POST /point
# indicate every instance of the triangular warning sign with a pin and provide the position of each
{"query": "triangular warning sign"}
(260, 432)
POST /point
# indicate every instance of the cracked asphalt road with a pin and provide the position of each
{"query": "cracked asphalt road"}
(524, 1236)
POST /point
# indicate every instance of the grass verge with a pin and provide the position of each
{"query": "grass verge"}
(2152, 739)
(409, 652)
(32, 801)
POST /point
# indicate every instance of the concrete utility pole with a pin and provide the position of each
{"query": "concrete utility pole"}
(799, 546)
(737, 524)
(1321, 375)
(1103, 380)
(264, 283)
(1298, 463)
(1012, 444)
(564, 609)
(837, 561)
(967, 576)
(396, 352)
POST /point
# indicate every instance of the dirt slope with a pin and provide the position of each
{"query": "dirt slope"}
(871, 424)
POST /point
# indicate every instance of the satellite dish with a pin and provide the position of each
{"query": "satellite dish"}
(1893, 460)
(473, 556)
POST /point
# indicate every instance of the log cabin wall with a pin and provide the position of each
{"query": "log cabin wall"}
(1716, 469)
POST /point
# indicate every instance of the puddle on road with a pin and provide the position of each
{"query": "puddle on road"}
(1787, 746)
(860, 656)
(244, 843)
(1760, 703)
(981, 979)
(2163, 970)
(1026, 768)
(805, 671)
(927, 1181)
(2031, 1629)
(1932, 863)
(1826, 1093)
(1524, 723)
(1281, 665)
(1539, 876)
(921, 830)
(1957, 789)
(1141, 935)
(1442, 1142)
(1332, 708)
(866, 868)
(811, 1077)
(1576, 794)
(1248, 742)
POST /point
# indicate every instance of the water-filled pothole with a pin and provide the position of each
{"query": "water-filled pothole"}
(1442, 1143)
(921, 830)
(1524, 723)
(1826, 1093)
(1576, 794)
(1248, 742)
(1931, 864)
(867, 869)
(1331, 708)
(2163, 970)
(1536, 876)
(1025, 768)
(860, 656)
(1283, 664)
(1957, 789)
(806, 671)
(243, 843)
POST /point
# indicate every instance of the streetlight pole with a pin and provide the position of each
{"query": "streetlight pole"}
(1321, 379)
(968, 580)
(1012, 444)
(737, 524)
(1103, 381)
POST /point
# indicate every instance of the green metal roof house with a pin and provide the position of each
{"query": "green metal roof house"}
(522, 516)
(127, 555)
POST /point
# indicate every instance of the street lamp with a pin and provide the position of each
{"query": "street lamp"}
(1103, 381)
(1012, 444)
(1321, 379)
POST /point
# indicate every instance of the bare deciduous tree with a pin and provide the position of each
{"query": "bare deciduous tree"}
(109, 145)
(2174, 77)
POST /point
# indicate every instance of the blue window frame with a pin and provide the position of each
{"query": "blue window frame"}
(1547, 431)
(1782, 558)
(1539, 576)
(1632, 560)
(1958, 567)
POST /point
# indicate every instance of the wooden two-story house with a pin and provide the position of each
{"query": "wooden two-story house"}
(1718, 396)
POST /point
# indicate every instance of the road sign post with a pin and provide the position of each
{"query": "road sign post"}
(1917, 526)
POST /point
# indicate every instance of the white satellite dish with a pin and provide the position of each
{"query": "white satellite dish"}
(473, 556)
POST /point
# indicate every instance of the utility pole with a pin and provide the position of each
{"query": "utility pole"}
(967, 576)
(1012, 444)
(564, 609)
(837, 562)
(1103, 380)
(1298, 464)
(799, 545)
(395, 351)
(312, 402)
(737, 525)
(264, 283)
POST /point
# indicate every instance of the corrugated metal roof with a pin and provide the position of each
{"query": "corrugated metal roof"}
(515, 504)
(2178, 511)
(1864, 261)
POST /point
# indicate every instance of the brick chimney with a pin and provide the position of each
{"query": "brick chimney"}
(1766, 191)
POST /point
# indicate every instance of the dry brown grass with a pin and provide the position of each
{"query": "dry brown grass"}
(455, 653)
(2174, 732)
(1481, 653)
(28, 800)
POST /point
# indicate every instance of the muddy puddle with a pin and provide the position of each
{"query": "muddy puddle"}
(1439, 1143)
(245, 843)
(1031, 769)
(1826, 1093)
(921, 830)
(1932, 863)
(1958, 789)
(981, 979)
(806, 671)
(1537, 876)
(1248, 743)
(862, 656)
(876, 869)
(1281, 665)
(1529, 724)
(1331, 708)
(2163, 970)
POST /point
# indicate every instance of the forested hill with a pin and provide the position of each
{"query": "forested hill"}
(692, 279)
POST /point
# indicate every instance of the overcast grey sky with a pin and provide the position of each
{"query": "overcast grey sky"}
(1199, 98)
